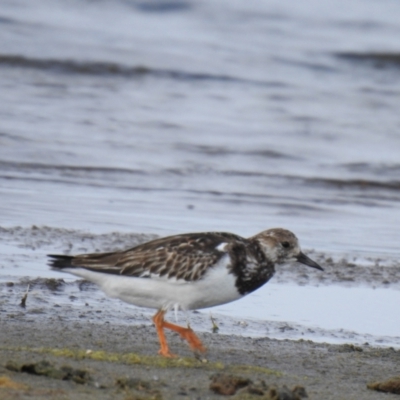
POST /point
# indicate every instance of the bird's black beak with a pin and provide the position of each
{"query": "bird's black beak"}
(302, 258)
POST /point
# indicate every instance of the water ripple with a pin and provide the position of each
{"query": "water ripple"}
(114, 69)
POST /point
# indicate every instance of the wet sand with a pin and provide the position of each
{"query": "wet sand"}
(121, 362)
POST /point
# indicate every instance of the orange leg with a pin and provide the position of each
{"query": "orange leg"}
(158, 320)
(186, 333)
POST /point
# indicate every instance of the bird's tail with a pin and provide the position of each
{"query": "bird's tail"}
(60, 262)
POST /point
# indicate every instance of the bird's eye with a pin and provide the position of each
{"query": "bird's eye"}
(285, 245)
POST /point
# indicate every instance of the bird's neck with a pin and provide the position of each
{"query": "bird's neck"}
(251, 267)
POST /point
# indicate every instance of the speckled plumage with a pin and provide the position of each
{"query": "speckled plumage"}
(188, 271)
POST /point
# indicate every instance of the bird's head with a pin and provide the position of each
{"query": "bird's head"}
(281, 246)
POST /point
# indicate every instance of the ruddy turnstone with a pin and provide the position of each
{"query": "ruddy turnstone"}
(189, 271)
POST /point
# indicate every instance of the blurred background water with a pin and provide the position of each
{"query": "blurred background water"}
(169, 116)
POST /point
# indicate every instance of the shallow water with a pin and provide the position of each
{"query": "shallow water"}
(163, 117)
(354, 312)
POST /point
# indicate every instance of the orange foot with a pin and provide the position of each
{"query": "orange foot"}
(185, 333)
(188, 335)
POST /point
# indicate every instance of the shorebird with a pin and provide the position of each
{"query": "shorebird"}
(189, 271)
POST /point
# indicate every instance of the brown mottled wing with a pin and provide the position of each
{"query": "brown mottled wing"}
(183, 257)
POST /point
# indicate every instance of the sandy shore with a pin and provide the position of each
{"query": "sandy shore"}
(123, 364)
(114, 361)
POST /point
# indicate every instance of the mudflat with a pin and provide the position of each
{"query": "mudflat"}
(50, 355)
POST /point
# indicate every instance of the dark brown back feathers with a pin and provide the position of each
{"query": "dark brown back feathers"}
(185, 257)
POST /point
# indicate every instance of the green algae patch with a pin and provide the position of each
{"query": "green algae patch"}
(128, 358)
(151, 361)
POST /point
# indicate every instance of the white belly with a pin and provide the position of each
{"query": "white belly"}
(216, 287)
